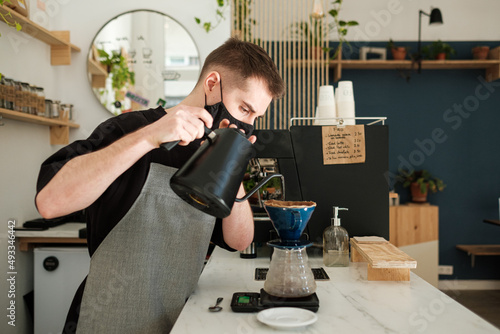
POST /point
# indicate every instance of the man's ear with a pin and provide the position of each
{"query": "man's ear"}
(212, 80)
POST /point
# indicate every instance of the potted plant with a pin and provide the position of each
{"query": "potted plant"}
(420, 183)
(480, 52)
(117, 66)
(398, 52)
(438, 50)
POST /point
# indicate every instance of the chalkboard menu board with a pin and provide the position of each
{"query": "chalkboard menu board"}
(361, 187)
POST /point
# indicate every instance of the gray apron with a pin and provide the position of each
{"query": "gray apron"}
(147, 266)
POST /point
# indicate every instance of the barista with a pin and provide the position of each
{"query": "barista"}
(148, 245)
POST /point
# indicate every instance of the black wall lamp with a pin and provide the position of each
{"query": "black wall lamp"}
(435, 17)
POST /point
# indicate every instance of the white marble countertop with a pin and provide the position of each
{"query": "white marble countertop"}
(67, 230)
(348, 303)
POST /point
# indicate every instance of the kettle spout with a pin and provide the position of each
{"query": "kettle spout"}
(260, 184)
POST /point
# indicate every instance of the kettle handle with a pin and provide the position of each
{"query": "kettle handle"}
(171, 144)
(260, 184)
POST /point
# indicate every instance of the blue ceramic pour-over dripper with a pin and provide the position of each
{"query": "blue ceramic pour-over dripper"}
(289, 218)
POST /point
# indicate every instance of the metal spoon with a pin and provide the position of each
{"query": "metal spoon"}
(216, 307)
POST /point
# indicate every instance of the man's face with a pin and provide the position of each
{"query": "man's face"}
(248, 103)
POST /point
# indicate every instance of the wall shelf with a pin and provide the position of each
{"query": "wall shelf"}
(59, 41)
(491, 65)
(59, 129)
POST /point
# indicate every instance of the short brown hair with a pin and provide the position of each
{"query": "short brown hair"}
(246, 60)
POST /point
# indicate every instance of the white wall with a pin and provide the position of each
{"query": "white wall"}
(24, 146)
(463, 20)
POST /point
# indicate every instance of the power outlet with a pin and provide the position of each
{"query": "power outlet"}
(445, 270)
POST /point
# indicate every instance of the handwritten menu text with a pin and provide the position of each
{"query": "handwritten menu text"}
(343, 145)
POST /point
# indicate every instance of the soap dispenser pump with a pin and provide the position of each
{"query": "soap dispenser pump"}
(336, 243)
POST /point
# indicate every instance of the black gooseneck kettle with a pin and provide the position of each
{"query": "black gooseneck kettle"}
(210, 179)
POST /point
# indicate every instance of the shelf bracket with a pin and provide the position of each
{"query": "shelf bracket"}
(59, 135)
(61, 54)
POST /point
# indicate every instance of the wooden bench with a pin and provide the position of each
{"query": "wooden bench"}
(386, 262)
(479, 250)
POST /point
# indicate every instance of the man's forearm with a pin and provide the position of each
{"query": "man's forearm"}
(238, 227)
(83, 179)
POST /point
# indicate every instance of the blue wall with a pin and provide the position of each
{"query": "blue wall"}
(464, 150)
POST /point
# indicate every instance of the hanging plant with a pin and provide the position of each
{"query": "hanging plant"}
(339, 26)
(242, 21)
(5, 17)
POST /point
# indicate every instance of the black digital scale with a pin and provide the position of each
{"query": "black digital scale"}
(255, 302)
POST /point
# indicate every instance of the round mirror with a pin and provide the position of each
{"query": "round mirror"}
(141, 59)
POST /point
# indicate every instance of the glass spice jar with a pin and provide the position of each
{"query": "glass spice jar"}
(18, 100)
(48, 108)
(10, 94)
(33, 97)
(40, 101)
(25, 96)
(54, 111)
(2, 92)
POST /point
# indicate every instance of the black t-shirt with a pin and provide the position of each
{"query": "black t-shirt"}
(114, 203)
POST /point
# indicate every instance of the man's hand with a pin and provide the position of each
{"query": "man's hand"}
(184, 123)
(225, 124)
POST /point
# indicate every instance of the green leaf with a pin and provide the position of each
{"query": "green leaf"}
(207, 26)
(198, 21)
(220, 3)
(342, 23)
(333, 13)
(352, 23)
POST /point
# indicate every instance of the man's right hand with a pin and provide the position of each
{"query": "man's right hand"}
(184, 123)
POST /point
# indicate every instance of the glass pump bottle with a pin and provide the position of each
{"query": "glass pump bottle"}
(336, 243)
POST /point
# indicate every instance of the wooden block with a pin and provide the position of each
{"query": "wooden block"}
(61, 54)
(385, 261)
(59, 135)
(384, 255)
(388, 274)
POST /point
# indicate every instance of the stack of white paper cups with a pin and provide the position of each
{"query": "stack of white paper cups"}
(326, 110)
(345, 102)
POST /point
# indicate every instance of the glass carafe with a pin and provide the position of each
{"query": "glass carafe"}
(289, 274)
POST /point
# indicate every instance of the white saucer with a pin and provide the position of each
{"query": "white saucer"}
(286, 317)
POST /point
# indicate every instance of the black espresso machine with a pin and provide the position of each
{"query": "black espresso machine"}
(297, 155)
